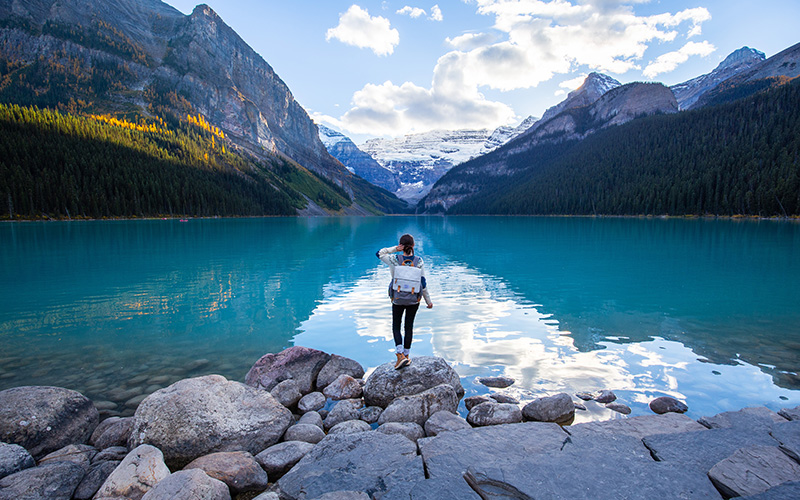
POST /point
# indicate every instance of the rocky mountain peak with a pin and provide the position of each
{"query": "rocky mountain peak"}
(592, 88)
(745, 55)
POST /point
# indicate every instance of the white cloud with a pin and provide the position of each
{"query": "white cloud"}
(669, 61)
(573, 83)
(436, 13)
(414, 12)
(469, 41)
(357, 28)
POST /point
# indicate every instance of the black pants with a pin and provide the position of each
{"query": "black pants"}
(397, 317)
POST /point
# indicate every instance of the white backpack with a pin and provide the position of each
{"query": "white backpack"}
(406, 286)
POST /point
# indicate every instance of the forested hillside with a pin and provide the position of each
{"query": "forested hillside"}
(737, 158)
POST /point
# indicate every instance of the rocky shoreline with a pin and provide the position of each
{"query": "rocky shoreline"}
(307, 425)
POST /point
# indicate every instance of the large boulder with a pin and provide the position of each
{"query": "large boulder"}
(189, 485)
(14, 458)
(338, 365)
(44, 419)
(198, 416)
(558, 408)
(56, 481)
(491, 413)
(238, 469)
(300, 364)
(141, 470)
(419, 407)
(386, 384)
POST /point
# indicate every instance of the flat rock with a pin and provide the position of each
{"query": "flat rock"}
(619, 408)
(753, 470)
(343, 495)
(350, 427)
(419, 407)
(785, 491)
(45, 419)
(788, 437)
(203, 415)
(81, 454)
(55, 481)
(299, 363)
(14, 458)
(338, 365)
(344, 410)
(667, 404)
(287, 393)
(385, 384)
(278, 459)
(557, 408)
(605, 396)
(471, 401)
(639, 427)
(189, 485)
(304, 432)
(497, 382)
(95, 478)
(237, 469)
(491, 413)
(343, 387)
(746, 417)
(408, 429)
(790, 413)
(585, 396)
(370, 462)
(504, 398)
(444, 421)
(115, 434)
(370, 414)
(142, 469)
(311, 402)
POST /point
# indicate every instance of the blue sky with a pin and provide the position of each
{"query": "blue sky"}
(386, 68)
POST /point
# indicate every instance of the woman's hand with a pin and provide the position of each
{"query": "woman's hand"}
(430, 306)
(400, 248)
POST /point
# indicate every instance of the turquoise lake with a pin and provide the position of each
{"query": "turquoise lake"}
(707, 311)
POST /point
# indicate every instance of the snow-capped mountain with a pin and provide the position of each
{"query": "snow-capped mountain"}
(592, 89)
(739, 61)
(357, 161)
(502, 135)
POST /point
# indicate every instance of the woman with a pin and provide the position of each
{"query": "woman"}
(407, 289)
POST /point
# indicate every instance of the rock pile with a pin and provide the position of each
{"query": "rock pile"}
(395, 435)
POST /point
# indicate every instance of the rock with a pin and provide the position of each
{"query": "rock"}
(491, 413)
(504, 398)
(142, 469)
(112, 453)
(338, 365)
(585, 396)
(785, 491)
(419, 407)
(237, 469)
(287, 393)
(189, 485)
(408, 429)
(311, 402)
(81, 454)
(350, 427)
(746, 417)
(197, 416)
(638, 427)
(343, 495)
(605, 397)
(580, 406)
(386, 384)
(753, 470)
(666, 404)
(102, 427)
(497, 382)
(14, 458)
(790, 413)
(45, 419)
(268, 495)
(558, 408)
(368, 461)
(471, 401)
(788, 436)
(55, 481)
(344, 410)
(277, 460)
(304, 432)
(95, 478)
(444, 421)
(299, 363)
(344, 387)
(311, 418)
(116, 434)
(370, 414)
(619, 407)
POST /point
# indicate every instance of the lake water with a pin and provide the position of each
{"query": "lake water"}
(707, 311)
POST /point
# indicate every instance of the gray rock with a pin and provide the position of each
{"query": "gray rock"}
(753, 470)
(307, 433)
(237, 469)
(370, 414)
(189, 485)
(343, 495)
(785, 491)
(268, 495)
(605, 396)
(491, 413)
(788, 436)
(497, 382)
(198, 416)
(638, 427)
(419, 407)
(278, 459)
(344, 387)
(746, 417)
(95, 478)
(350, 427)
(619, 408)
(14, 458)
(81, 454)
(371, 462)
(338, 365)
(585, 396)
(142, 469)
(55, 481)
(344, 410)
(113, 453)
(299, 363)
(504, 398)
(115, 434)
(45, 419)
(667, 404)
(408, 429)
(102, 427)
(385, 384)
(471, 401)
(311, 402)
(790, 413)
(311, 418)
(287, 393)
(558, 408)
(444, 421)
(580, 406)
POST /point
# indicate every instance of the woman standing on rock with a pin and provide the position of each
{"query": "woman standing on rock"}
(407, 289)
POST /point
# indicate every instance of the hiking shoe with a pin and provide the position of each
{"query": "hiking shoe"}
(401, 361)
